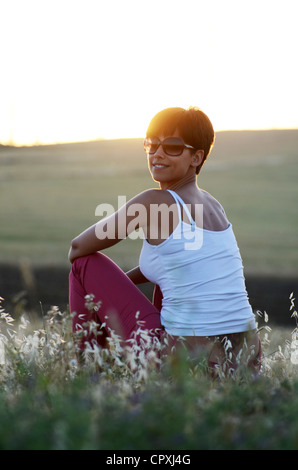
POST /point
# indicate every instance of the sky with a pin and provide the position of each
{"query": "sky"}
(76, 70)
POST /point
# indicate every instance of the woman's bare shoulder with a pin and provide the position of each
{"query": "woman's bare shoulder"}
(211, 200)
(215, 218)
(153, 196)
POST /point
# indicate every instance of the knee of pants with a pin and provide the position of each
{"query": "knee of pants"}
(82, 261)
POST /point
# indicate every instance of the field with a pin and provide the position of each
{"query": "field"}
(49, 195)
(116, 399)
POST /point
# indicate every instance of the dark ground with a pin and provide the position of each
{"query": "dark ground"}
(37, 289)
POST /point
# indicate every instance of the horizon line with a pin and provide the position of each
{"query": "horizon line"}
(38, 143)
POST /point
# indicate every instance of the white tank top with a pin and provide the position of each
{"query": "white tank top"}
(200, 274)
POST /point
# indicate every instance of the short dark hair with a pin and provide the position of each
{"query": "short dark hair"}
(193, 126)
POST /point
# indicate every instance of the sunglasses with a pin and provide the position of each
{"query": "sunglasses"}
(172, 146)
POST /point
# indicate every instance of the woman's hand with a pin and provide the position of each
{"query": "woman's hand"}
(136, 276)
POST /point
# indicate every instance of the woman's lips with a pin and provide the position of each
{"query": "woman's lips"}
(159, 166)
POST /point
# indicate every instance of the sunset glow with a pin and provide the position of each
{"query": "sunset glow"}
(76, 70)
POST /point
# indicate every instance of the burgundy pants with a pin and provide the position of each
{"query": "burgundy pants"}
(124, 308)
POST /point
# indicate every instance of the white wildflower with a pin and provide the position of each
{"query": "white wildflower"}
(2, 350)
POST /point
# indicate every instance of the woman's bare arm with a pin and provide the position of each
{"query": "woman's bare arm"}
(87, 243)
(135, 214)
(111, 230)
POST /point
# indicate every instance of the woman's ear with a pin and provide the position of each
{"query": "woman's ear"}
(197, 158)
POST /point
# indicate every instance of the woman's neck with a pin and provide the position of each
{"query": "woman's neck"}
(189, 180)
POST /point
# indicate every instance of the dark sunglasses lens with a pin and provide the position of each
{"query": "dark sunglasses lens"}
(151, 145)
(173, 147)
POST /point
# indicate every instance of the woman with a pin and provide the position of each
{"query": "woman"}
(189, 253)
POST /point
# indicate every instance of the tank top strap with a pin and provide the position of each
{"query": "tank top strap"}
(178, 200)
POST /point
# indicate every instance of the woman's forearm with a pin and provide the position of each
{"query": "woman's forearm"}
(87, 243)
(73, 254)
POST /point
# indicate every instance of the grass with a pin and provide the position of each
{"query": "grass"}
(120, 398)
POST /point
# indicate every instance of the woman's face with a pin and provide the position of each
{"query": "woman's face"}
(169, 170)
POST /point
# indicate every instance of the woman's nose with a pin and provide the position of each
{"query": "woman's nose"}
(159, 152)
